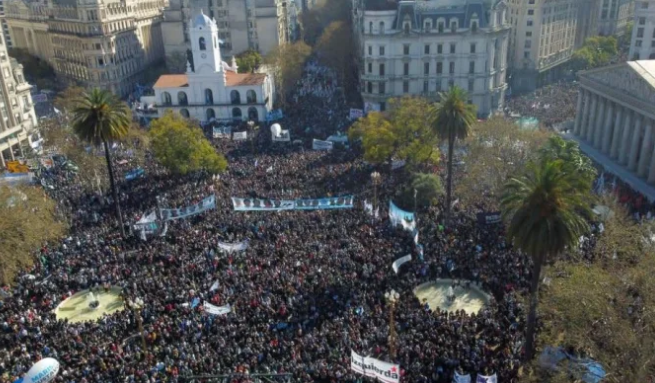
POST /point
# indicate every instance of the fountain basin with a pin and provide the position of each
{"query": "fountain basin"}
(435, 293)
(77, 307)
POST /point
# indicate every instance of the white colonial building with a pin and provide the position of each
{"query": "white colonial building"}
(213, 89)
(425, 47)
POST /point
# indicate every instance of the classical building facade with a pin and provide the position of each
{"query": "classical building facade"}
(18, 121)
(616, 114)
(106, 44)
(614, 16)
(213, 90)
(426, 47)
(260, 25)
(642, 44)
(543, 37)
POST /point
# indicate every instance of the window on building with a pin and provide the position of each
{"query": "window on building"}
(453, 26)
(438, 87)
(184, 113)
(638, 43)
(209, 97)
(528, 34)
(182, 98)
(528, 44)
(529, 23)
(381, 27)
(426, 68)
(472, 67)
(426, 49)
(426, 86)
(201, 44)
(652, 44)
(531, 12)
(235, 97)
(526, 54)
(370, 27)
(473, 47)
(640, 33)
(452, 47)
(644, 5)
(383, 106)
(369, 87)
(382, 88)
(439, 68)
(381, 71)
(451, 67)
(166, 98)
(439, 49)
(440, 26)
(381, 51)
(471, 85)
(370, 67)
(251, 97)
(451, 83)
(405, 86)
(406, 69)
(406, 49)
(236, 113)
(635, 57)
(427, 25)
(474, 26)
(642, 21)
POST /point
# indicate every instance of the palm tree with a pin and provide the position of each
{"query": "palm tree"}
(98, 118)
(454, 118)
(546, 209)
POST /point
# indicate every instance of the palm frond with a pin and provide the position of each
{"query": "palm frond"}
(100, 116)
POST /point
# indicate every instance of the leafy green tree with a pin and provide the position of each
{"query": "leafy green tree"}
(33, 67)
(336, 49)
(286, 62)
(597, 51)
(100, 118)
(573, 159)
(324, 12)
(33, 222)
(497, 150)
(453, 120)
(405, 133)
(181, 147)
(67, 100)
(248, 61)
(427, 188)
(547, 211)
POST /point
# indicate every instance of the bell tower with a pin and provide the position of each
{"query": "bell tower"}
(204, 44)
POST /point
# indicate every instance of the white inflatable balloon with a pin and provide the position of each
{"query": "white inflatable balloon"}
(276, 129)
(43, 371)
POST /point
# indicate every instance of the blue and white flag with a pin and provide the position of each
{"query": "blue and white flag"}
(206, 204)
(461, 378)
(486, 379)
(401, 217)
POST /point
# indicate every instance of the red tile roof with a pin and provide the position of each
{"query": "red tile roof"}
(240, 79)
(172, 81)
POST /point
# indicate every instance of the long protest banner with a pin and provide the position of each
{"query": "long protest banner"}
(230, 247)
(206, 204)
(258, 204)
(374, 368)
(216, 310)
(399, 262)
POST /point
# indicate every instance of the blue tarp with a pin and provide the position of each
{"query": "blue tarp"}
(586, 369)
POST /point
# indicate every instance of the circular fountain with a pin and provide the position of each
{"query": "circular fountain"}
(89, 305)
(449, 296)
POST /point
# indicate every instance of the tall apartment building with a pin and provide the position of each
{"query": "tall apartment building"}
(17, 118)
(642, 44)
(614, 16)
(425, 47)
(587, 21)
(261, 25)
(3, 24)
(95, 43)
(543, 37)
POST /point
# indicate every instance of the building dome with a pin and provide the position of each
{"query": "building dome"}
(202, 20)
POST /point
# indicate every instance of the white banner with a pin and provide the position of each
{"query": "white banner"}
(486, 379)
(356, 113)
(239, 136)
(400, 261)
(284, 136)
(322, 145)
(461, 378)
(371, 367)
(214, 286)
(397, 164)
(230, 247)
(217, 310)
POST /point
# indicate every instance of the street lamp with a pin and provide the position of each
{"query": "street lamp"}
(136, 306)
(251, 124)
(375, 179)
(392, 297)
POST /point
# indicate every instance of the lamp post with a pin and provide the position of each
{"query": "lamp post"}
(136, 306)
(392, 297)
(375, 179)
(251, 124)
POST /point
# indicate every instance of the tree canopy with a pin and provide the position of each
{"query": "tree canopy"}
(596, 51)
(404, 133)
(336, 48)
(428, 189)
(315, 20)
(181, 146)
(248, 61)
(287, 62)
(33, 223)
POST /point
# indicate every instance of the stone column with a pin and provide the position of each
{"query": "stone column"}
(616, 134)
(651, 171)
(634, 145)
(2, 159)
(592, 119)
(578, 113)
(585, 114)
(625, 140)
(607, 130)
(600, 122)
(11, 151)
(646, 149)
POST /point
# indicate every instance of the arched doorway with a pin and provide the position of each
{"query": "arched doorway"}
(235, 97)
(166, 98)
(184, 113)
(236, 113)
(182, 99)
(251, 97)
(209, 97)
(253, 115)
(210, 114)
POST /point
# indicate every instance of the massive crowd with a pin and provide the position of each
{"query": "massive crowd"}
(551, 105)
(308, 289)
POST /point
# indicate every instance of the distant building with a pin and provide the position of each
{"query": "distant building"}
(587, 21)
(616, 115)
(614, 16)
(543, 38)
(260, 25)
(642, 44)
(425, 47)
(213, 90)
(106, 44)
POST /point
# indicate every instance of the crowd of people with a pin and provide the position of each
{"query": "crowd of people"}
(307, 290)
(551, 105)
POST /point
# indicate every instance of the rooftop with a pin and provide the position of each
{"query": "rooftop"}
(172, 81)
(233, 79)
